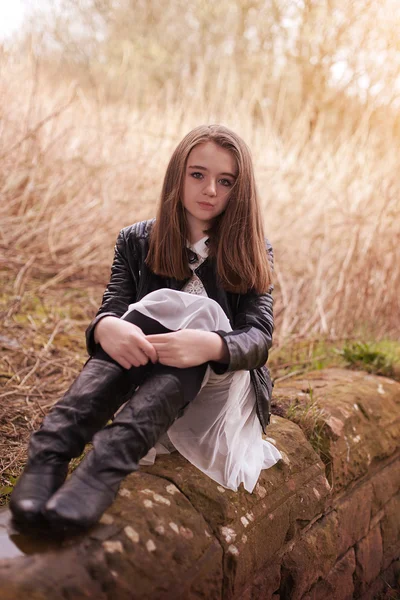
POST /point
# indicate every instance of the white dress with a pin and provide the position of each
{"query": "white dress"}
(219, 431)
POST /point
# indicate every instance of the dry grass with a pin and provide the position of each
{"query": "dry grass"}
(74, 171)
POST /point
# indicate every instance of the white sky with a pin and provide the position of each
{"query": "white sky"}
(12, 13)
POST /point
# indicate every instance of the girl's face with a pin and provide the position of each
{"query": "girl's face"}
(210, 174)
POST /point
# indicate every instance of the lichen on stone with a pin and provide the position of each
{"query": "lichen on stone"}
(160, 529)
(150, 545)
(186, 532)
(174, 527)
(229, 534)
(161, 499)
(244, 521)
(132, 534)
(113, 546)
(261, 491)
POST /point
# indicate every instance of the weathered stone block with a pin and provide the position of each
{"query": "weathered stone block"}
(390, 528)
(312, 556)
(263, 585)
(358, 414)
(310, 501)
(338, 584)
(369, 554)
(151, 544)
(175, 533)
(386, 484)
(252, 528)
(354, 515)
(385, 586)
(50, 576)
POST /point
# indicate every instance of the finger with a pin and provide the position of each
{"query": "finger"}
(124, 362)
(144, 346)
(162, 352)
(158, 337)
(164, 358)
(149, 350)
(161, 347)
(137, 357)
(144, 356)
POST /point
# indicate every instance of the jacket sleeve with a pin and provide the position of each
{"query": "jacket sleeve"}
(120, 291)
(249, 342)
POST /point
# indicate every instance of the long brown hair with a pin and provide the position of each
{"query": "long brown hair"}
(236, 237)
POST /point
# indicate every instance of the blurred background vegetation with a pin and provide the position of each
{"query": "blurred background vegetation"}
(95, 95)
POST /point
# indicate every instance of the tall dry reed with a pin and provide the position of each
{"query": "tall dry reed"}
(75, 168)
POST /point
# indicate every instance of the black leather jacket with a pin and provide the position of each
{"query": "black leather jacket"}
(250, 315)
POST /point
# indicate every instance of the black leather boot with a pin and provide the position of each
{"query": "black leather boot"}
(94, 397)
(89, 403)
(118, 448)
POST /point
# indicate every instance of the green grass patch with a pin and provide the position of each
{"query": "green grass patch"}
(5, 490)
(300, 357)
(309, 355)
(311, 419)
(380, 358)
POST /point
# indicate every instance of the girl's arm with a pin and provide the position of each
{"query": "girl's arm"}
(218, 349)
(249, 342)
(120, 292)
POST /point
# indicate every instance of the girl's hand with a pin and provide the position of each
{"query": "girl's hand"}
(124, 342)
(188, 347)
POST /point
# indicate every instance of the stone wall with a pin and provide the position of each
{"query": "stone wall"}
(324, 523)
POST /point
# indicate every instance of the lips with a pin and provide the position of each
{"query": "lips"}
(205, 204)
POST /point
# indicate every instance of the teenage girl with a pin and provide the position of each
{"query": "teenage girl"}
(181, 340)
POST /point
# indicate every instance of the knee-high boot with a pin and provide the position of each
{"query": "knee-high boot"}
(94, 397)
(92, 487)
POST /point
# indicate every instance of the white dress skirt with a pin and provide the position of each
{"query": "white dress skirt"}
(219, 431)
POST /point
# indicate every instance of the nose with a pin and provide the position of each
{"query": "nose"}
(211, 188)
